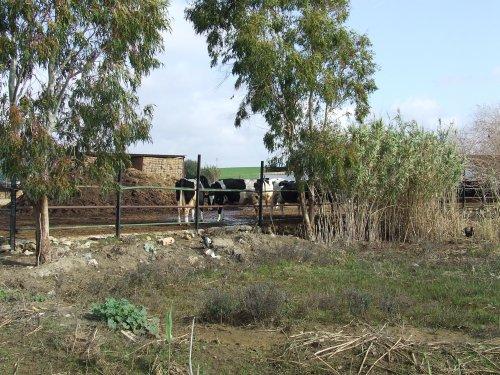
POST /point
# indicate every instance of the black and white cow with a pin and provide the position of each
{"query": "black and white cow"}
(187, 199)
(246, 196)
(285, 192)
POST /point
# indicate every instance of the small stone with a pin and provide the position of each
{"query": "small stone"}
(166, 241)
(149, 247)
(28, 253)
(5, 247)
(51, 293)
(211, 254)
(29, 246)
(148, 238)
(86, 245)
(66, 243)
(193, 260)
(93, 263)
(222, 242)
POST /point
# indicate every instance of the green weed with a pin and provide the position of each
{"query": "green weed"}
(121, 314)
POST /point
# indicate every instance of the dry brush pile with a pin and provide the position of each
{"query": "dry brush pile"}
(376, 351)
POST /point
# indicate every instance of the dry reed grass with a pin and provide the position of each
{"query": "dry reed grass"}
(377, 351)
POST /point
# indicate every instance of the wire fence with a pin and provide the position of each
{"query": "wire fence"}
(469, 192)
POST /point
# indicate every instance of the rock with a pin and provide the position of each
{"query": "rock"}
(150, 247)
(148, 238)
(222, 242)
(93, 263)
(66, 243)
(239, 255)
(86, 245)
(28, 253)
(166, 241)
(51, 293)
(5, 247)
(194, 260)
(211, 254)
(29, 246)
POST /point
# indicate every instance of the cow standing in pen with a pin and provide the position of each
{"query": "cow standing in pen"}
(187, 198)
(285, 192)
(247, 193)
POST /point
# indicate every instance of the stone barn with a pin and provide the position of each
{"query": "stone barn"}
(161, 165)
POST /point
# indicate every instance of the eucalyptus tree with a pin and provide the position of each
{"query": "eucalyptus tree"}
(297, 61)
(69, 74)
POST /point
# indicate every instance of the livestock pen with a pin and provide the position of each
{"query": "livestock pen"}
(16, 219)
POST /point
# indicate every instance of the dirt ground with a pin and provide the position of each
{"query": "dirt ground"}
(441, 300)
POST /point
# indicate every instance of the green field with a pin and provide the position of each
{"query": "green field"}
(240, 172)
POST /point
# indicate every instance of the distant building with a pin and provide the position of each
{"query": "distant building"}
(161, 165)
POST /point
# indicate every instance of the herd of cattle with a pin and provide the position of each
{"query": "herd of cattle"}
(277, 192)
(233, 191)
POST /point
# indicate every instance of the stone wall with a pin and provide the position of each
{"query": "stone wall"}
(162, 167)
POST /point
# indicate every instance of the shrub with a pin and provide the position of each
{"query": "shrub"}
(121, 314)
(389, 305)
(4, 295)
(358, 302)
(190, 168)
(219, 306)
(261, 302)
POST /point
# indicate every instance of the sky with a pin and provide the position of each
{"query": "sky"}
(436, 60)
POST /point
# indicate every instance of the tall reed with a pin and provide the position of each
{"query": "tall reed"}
(381, 181)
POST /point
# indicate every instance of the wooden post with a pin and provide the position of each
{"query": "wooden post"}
(261, 193)
(197, 193)
(13, 204)
(118, 210)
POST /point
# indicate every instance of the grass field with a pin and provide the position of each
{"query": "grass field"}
(240, 172)
(248, 308)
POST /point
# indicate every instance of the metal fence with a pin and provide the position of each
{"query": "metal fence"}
(119, 207)
(468, 192)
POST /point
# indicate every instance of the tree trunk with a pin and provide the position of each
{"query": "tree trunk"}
(308, 224)
(43, 250)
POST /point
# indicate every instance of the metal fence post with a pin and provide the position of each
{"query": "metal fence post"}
(261, 193)
(197, 194)
(118, 210)
(13, 209)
